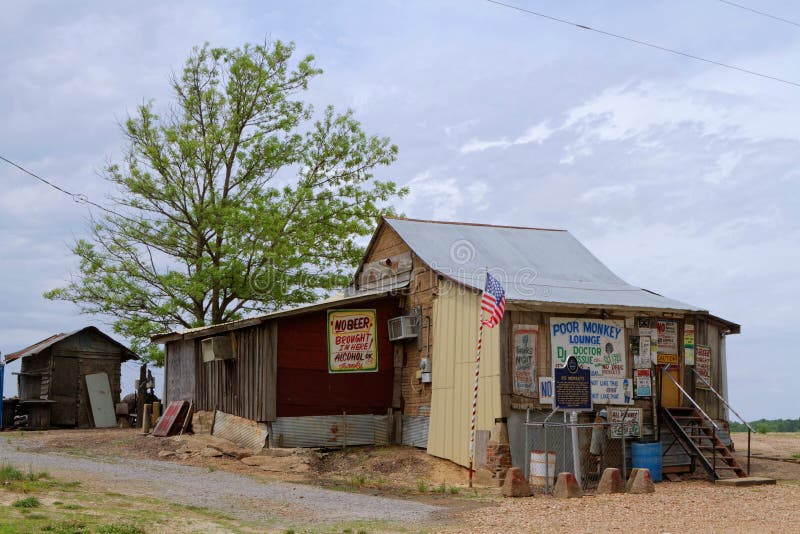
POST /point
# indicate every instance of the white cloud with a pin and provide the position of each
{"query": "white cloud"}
(605, 193)
(536, 134)
(443, 198)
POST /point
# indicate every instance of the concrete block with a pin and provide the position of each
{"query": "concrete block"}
(611, 481)
(642, 482)
(515, 484)
(631, 476)
(567, 487)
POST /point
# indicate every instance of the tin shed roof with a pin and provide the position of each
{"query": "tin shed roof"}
(532, 264)
(46, 343)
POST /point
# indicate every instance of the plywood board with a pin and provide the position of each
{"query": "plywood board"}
(100, 400)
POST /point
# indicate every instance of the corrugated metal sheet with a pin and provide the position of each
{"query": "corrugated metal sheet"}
(244, 432)
(415, 431)
(532, 264)
(330, 431)
(455, 335)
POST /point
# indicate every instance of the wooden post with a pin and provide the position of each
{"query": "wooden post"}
(156, 411)
(141, 393)
(146, 416)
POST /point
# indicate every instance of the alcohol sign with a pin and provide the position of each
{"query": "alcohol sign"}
(352, 341)
(702, 364)
(627, 421)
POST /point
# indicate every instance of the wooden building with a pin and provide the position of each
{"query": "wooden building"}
(276, 367)
(431, 275)
(52, 379)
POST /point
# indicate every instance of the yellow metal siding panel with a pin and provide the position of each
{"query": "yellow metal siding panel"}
(455, 329)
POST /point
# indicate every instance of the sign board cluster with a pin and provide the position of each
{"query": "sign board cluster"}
(598, 345)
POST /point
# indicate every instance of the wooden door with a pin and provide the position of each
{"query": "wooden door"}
(671, 395)
(64, 390)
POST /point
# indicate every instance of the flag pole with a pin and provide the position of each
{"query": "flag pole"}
(475, 400)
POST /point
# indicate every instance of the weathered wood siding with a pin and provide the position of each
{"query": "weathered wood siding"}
(415, 396)
(244, 385)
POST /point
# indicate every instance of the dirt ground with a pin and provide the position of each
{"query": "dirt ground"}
(411, 475)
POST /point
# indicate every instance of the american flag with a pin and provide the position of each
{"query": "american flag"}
(494, 301)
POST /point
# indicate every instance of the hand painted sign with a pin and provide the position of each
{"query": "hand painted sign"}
(352, 341)
(546, 390)
(702, 364)
(642, 383)
(652, 333)
(598, 345)
(667, 341)
(688, 344)
(625, 420)
(612, 390)
(572, 385)
(525, 341)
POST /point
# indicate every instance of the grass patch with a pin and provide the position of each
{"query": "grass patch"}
(796, 456)
(454, 490)
(422, 486)
(27, 502)
(119, 529)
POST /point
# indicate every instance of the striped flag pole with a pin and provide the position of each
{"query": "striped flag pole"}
(475, 401)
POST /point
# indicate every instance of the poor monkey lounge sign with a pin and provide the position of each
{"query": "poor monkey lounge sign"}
(352, 341)
(598, 345)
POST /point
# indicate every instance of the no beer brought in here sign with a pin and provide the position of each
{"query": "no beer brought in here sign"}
(352, 341)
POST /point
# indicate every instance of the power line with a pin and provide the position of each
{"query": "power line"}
(762, 13)
(644, 43)
(79, 198)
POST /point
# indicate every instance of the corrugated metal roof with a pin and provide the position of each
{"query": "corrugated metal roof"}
(38, 347)
(347, 297)
(534, 265)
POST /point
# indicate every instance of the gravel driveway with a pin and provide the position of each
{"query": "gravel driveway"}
(235, 495)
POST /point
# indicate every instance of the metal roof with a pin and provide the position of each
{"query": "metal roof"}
(532, 264)
(336, 300)
(46, 343)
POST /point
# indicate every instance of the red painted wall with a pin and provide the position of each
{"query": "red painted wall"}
(305, 387)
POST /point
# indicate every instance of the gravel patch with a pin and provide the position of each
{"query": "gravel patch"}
(236, 495)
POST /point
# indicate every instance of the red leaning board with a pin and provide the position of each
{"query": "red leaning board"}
(172, 419)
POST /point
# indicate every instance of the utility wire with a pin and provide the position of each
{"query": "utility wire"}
(762, 13)
(644, 43)
(79, 198)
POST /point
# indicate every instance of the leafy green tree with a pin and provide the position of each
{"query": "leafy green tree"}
(236, 200)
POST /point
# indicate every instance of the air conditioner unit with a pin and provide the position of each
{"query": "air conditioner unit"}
(403, 327)
(217, 348)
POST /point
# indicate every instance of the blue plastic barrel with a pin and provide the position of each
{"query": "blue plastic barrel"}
(647, 455)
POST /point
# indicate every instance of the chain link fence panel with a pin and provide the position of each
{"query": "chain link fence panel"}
(552, 448)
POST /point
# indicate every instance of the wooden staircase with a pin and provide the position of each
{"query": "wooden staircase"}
(699, 439)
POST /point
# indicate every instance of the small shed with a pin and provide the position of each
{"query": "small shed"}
(52, 378)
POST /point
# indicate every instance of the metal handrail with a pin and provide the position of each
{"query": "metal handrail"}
(683, 391)
(720, 397)
(750, 429)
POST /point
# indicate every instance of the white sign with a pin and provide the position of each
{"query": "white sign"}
(545, 390)
(627, 420)
(652, 333)
(597, 344)
(643, 358)
(612, 390)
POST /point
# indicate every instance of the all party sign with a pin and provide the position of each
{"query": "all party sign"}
(352, 341)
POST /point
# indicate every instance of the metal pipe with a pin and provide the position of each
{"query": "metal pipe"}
(748, 452)
(526, 457)
(576, 457)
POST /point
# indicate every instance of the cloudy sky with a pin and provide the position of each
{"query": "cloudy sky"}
(681, 176)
